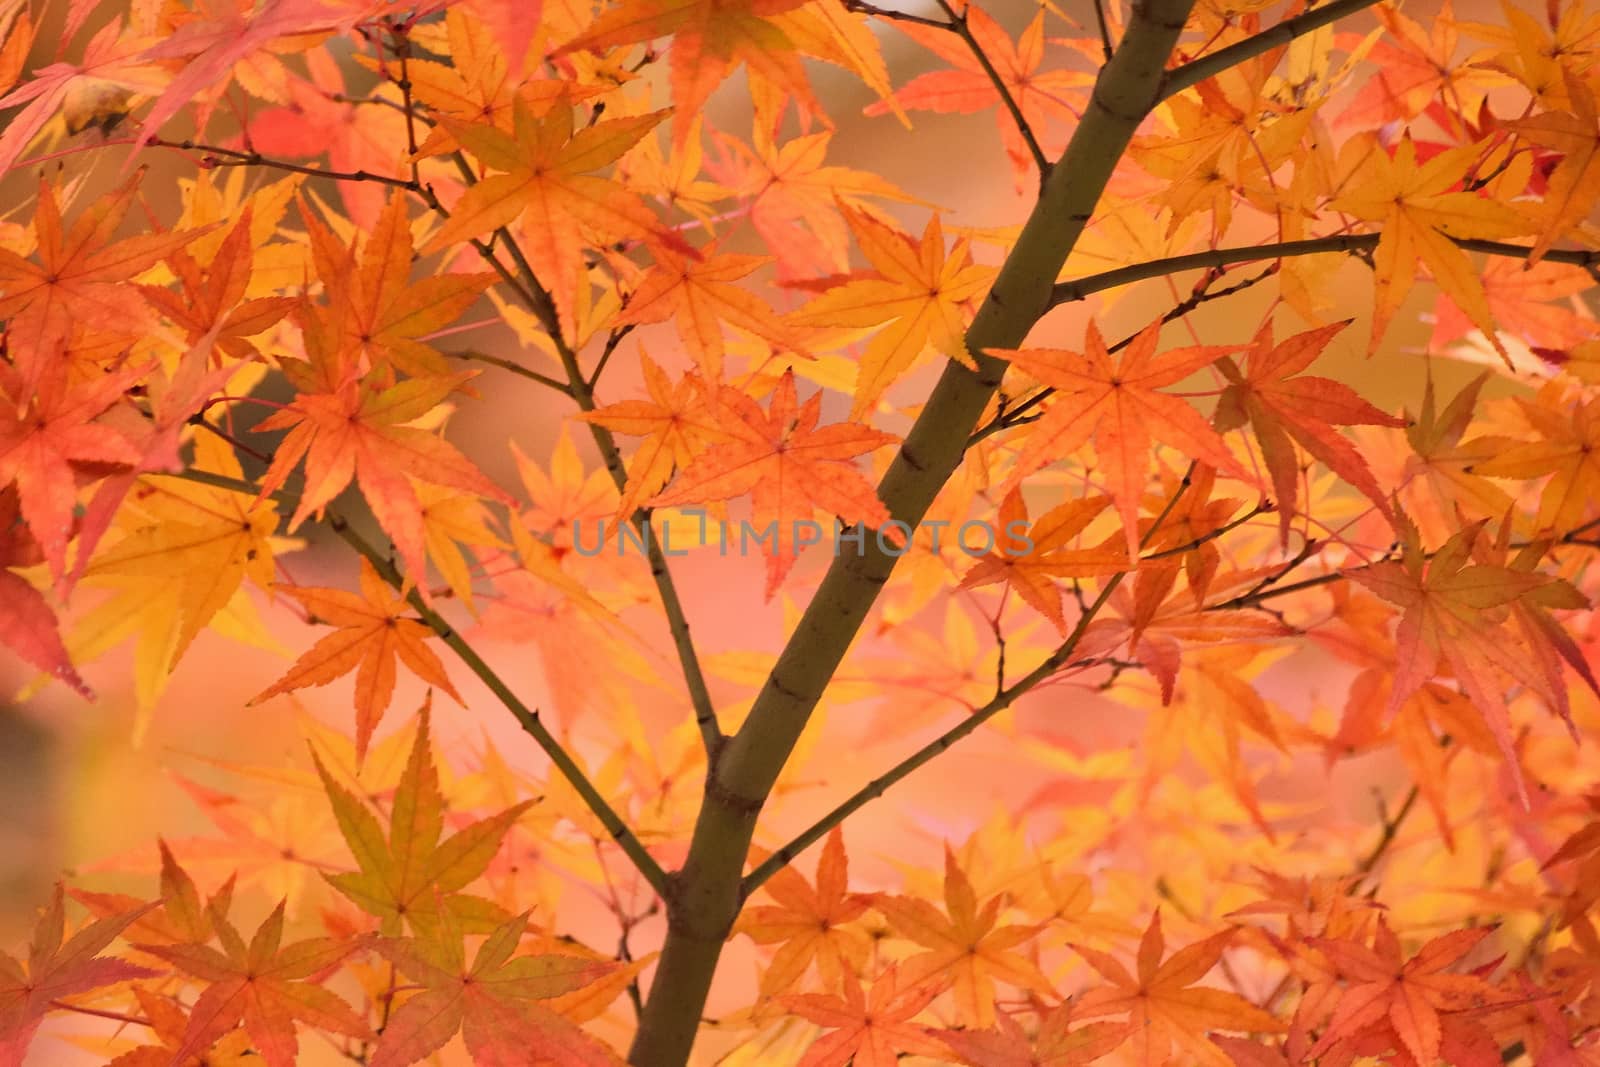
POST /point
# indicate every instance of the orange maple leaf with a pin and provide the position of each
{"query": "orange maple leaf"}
(676, 422)
(709, 38)
(1045, 555)
(966, 945)
(970, 87)
(869, 1029)
(413, 877)
(700, 298)
(45, 434)
(382, 311)
(1305, 409)
(55, 970)
(1118, 406)
(1055, 1044)
(1163, 1005)
(80, 280)
(1408, 995)
(1418, 213)
(547, 185)
(211, 306)
(1575, 183)
(919, 287)
(356, 428)
(811, 922)
(1456, 610)
(374, 631)
(794, 198)
(1568, 448)
(790, 466)
(267, 985)
(492, 1002)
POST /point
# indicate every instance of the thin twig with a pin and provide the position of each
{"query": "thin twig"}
(958, 23)
(1081, 288)
(1208, 66)
(861, 7)
(1105, 31)
(217, 156)
(513, 367)
(538, 300)
(1017, 414)
(1002, 700)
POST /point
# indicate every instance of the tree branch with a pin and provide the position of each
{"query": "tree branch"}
(581, 389)
(1209, 66)
(1082, 288)
(706, 897)
(1002, 700)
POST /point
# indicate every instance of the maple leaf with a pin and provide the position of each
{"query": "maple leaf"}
(226, 34)
(80, 281)
(320, 120)
(184, 554)
(382, 312)
(492, 1002)
(1412, 63)
(356, 428)
(794, 198)
(965, 945)
(44, 434)
(475, 86)
(55, 970)
(1454, 611)
(709, 38)
(1056, 1045)
(789, 465)
(1046, 557)
(168, 1022)
(1305, 409)
(676, 423)
(373, 632)
(1406, 994)
(1440, 478)
(267, 985)
(411, 875)
(547, 186)
(919, 286)
(1568, 448)
(811, 922)
(970, 87)
(1163, 1005)
(28, 624)
(699, 297)
(1575, 183)
(212, 305)
(1119, 408)
(111, 63)
(1528, 303)
(1418, 214)
(869, 1029)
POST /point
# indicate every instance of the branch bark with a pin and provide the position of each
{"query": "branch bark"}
(704, 897)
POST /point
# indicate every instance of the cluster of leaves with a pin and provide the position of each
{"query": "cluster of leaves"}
(1187, 527)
